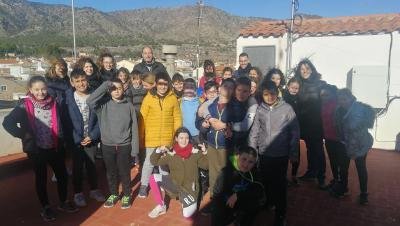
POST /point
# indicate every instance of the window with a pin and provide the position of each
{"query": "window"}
(3, 88)
(261, 56)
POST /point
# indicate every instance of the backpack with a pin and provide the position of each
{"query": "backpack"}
(369, 115)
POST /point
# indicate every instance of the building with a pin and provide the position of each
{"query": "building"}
(360, 52)
(11, 89)
(126, 64)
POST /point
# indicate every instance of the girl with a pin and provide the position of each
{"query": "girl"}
(290, 97)
(278, 78)
(92, 72)
(41, 134)
(161, 118)
(106, 63)
(238, 194)
(256, 73)
(183, 161)
(353, 130)
(123, 75)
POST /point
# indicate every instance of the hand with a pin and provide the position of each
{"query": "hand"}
(203, 147)
(228, 133)
(205, 124)
(217, 124)
(232, 200)
(86, 141)
(164, 149)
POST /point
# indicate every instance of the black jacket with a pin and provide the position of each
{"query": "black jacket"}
(155, 67)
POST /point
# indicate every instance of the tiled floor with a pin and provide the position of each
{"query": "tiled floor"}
(307, 206)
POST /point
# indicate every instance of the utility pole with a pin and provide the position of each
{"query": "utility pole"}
(73, 28)
(200, 5)
(295, 5)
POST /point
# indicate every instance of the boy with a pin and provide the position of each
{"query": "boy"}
(177, 84)
(189, 105)
(86, 134)
(119, 137)
(275, 134)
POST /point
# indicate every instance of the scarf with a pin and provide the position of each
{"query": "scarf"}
(183, 152)
(48, 103)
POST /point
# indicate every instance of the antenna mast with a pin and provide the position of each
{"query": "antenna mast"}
(200, 5)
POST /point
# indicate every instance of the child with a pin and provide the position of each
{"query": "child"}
(217, 138)
(36, 121)
(106, 63)
(238, 194)
(149, 81)
(177, 84)
(290, 97)
(137, 90)
(277, 77)
(227, 73)
(189, 105)
(183, 161)
(162, 117)
(86, 134)
(92, 72)
(355, 120)
(277, 123)
(123, 75)
(332, 142)
(119, 137)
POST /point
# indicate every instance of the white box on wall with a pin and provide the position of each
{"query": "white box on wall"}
(369, 84)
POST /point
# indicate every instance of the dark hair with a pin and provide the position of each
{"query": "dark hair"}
(266, 85)
(208, 63)
(314, 72)
(208, 85)
(244, 55)
(182, 130)
(227, 69)
(248, 150)
(83, 60)
(258, 71)
(35, 79)
(77, 73)
(123, 70)
(293, 80)
(116, 80)
(273, 71)
(164, 76)
(243, 80)
(332, 89)
(345, 92)
(229, 80)
(177, 78)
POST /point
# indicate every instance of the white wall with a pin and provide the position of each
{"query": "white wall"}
(10, 144)
(334, 57)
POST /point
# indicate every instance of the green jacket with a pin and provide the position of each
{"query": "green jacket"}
(183, 172)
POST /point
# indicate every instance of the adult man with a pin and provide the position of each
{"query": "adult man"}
(244, 66)
(149, 63)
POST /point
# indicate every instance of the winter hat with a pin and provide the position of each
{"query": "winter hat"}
(189, 87)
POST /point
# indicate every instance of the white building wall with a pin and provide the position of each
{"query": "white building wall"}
(335, 56)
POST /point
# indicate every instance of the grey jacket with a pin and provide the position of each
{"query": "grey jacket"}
(275, 131)
(118, 122)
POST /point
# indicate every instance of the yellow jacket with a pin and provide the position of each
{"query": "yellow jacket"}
(161, 118)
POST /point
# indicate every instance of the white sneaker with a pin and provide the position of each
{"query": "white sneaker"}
(79, 200)
(157, 211)
(97, 195)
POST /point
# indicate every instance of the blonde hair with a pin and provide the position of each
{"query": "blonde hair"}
(51, 73)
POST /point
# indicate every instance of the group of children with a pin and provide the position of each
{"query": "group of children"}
(240, 136)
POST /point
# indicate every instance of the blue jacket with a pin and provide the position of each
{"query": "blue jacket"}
(216, 138)
(77, 120)
(189, 111)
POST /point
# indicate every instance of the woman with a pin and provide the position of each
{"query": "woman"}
(309, 116)
(92, 72)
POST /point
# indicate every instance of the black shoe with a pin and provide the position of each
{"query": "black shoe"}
(68, 207)
(48, 214)
(308, 176)
(280, 221)
(322, 186)
(363, 199)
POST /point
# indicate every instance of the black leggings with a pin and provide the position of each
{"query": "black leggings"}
(361, 165)
(56, 160)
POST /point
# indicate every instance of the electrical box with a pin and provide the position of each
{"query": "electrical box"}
(369, 84)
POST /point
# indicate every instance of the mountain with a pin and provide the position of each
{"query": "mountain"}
(27, 24)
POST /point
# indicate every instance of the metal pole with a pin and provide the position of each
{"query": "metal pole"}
(290, 40)
(73, 28)
(200, 5)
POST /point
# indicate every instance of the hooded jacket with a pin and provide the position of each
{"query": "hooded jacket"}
(275, 131)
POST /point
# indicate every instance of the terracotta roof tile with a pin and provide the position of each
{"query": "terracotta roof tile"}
(370, 24)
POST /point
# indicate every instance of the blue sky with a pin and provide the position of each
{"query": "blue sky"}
(278, 9)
